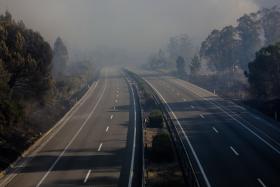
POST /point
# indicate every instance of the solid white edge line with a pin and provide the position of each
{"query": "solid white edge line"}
(234, 151)
(247, 128)
(261, 182)
(61, 123)
(185, 135)
(242, 124)
(86, 178)
(100, 146)
(73, 138)
(134, 140)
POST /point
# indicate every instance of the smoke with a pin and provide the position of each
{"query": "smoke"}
(267, 3)
(137, 27)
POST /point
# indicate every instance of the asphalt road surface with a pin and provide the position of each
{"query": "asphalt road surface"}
(229, 145)
(89, 146)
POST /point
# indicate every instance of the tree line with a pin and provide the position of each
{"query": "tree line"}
(239, 61)
(36, 82)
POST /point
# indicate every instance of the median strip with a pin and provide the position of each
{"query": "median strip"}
(162, 166)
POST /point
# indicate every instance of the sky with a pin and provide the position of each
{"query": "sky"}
(136, 26)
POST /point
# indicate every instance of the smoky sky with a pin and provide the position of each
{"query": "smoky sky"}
(137, 26)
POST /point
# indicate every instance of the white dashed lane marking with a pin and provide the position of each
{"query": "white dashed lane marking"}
(215, 130)
(202, 116)
(234, 151)
(261, 182)
(86, 178)
(100, 146)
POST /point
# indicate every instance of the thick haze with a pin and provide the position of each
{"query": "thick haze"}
(137, 26)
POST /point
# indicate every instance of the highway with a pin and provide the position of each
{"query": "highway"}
(92, 145)
(228, 144)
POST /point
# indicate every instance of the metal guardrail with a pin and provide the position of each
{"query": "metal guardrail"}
(143, 144)
(141, 136)
(189, 173)
(182, 153)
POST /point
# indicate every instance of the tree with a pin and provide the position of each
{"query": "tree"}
(236, 46)
(195, 65)
(264, 73)
(156, 119)
(25, 84)
(249, 30)
(60, 58)
(157, 60)
(161, 58)
(162, 148)
(180, 45)
(4, 80)
(180, 64)
(270, 20)
(221, 49)
(27, 59)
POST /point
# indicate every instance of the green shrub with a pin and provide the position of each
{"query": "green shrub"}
(156, 119)
(161, 148)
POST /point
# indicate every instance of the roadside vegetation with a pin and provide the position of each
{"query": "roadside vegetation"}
(264, 79)
(30, 89)
(238, 62)
(161, 164)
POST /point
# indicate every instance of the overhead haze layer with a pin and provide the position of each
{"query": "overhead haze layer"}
(135, 26)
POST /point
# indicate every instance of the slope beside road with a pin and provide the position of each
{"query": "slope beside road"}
(89, 146)
(229, 145)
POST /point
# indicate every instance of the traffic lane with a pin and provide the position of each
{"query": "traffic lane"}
(31, 173)
(77, 160)
(101, 166)
(119, 132)
(265, 161)
(266, 139)
(214, 154)
(270, 129)
(258, 122)
(265, 130)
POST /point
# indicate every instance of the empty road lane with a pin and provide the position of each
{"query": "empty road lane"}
(230, 146)
(89, 146)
